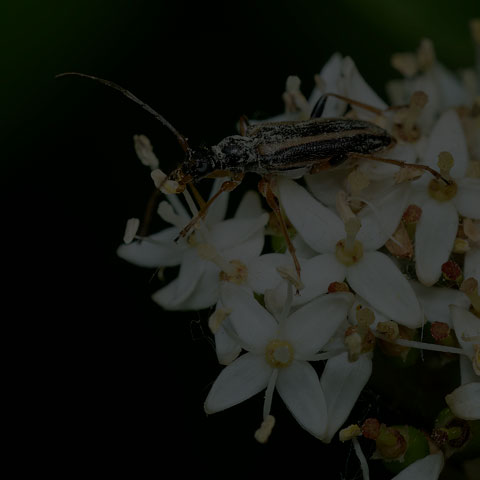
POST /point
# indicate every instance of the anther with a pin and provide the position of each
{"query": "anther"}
(349, 433)
(162, 182)
(389, 329)
(445, 163)
(131, 230)
(470, 287)
(406, 119)
(426, 54)
(144, 151)
(263, 433)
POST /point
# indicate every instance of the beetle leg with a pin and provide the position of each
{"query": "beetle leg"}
(265, 188)
(227, 186)
(320, 105)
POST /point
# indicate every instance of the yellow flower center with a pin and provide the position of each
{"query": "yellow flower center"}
(279, 353)
(349, 250)
(237, 274)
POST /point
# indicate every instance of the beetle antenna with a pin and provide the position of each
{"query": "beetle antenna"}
(181, 139)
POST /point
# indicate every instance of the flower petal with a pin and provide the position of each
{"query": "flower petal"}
(319, 226)
(434, 238)
(250, 206)
(355, 86)
(226, 347)
(427, 468)
(342, 382)
(467, 199)
(262, 271)
(247, 250)
(253, 324)
(157, 250)
(217, 211)
(448, 136)
(325, 185)
(464, 401)
(380, 219)
(317, 274)
(206, 293)
(466, 325)
(300, 389)
(177, 291)
(245, 377)
(378, 280)
(235, 231)
(472, 264)
(436, 301)
(311, 326)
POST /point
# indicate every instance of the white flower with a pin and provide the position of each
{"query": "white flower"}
(371, 274)
(464, 401)
(197, 285)
(441, 204)
(277, 355)
(427, 468)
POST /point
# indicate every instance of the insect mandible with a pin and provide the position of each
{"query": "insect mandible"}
(289, 148)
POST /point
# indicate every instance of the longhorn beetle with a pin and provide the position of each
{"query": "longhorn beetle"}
(268, 149)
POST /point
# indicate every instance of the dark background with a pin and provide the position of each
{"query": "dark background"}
(126, 379)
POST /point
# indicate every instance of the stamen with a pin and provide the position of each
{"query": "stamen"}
(389, 329)
(426, 54)
(361, 459)
(352, 227)
(131, 230)
(406, 118)
(349, 433)
(267, 404)
(421, 345)
(357, 181)
(470, 287)
(471, 230)
(461, 246)
(167, 213)
(290, 274)
(445, 164)
(263, 433)
(161, 182)
(144, 151)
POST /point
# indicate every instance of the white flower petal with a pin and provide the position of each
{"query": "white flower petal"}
(354, 86)
(436, 301)
(325, 185)
(245, 377)
(250, 206)
(311, 326)
(342, 382)
(218, 209)
(467, 373)
(464, 401)
(206, 292)
(226, 347)
(472, 264)
(317, 274)
(427, 468)
(247, 250)
(434, 238)
(467, 199)
(319, 226)
(262, 271)
(453, 93)
(300, 389)
(380, 222)
(330, 75)
(235, 231)
(448, 136)
(466, 325)
(158, 250)
(177, 291)
(378, 280)
(253, 324)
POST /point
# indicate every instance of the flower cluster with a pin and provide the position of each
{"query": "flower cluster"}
(389, 262)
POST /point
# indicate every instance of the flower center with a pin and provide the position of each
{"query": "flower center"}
(237, 274)
(349, 250)
(437, 188)
(279, 353)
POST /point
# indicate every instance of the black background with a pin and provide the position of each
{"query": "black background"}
(124, 380)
